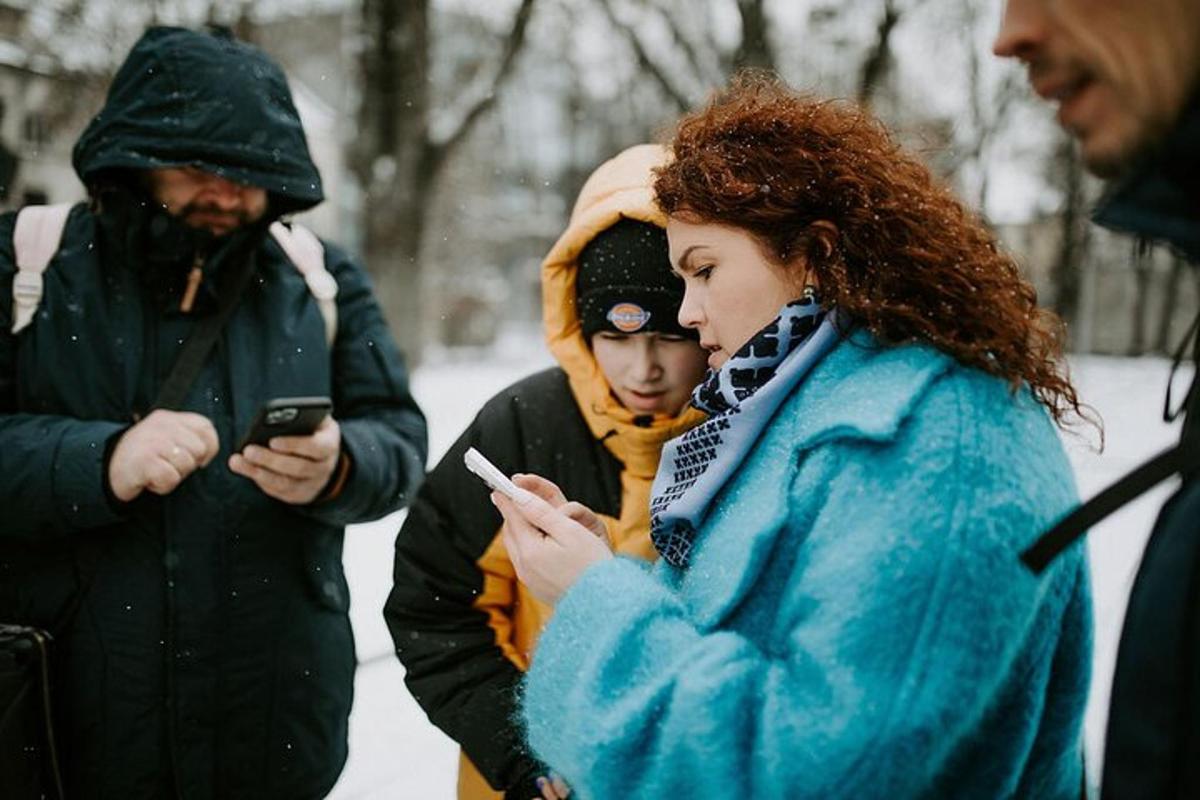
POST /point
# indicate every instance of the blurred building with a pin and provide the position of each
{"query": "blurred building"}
(44, 106)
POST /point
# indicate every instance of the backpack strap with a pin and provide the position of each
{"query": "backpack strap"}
(38, 234)
(1182, 459)
(36, 237)
(307, 254)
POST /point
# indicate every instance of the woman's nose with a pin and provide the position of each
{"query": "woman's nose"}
(690, 314)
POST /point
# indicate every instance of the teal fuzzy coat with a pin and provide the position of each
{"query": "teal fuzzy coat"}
(855, 622)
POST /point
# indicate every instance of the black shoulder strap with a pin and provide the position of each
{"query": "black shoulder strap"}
(1183, 458)
(196, 349)
(183, 373)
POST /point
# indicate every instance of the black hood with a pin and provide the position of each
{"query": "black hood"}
(184, 98)
(1160, 200)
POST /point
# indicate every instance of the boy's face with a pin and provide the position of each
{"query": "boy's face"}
(650, 373)
(204, 200)
(1121, 71)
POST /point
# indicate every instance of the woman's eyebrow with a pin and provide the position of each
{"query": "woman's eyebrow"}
(682, 264)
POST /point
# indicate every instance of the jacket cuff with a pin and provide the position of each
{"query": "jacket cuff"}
(80, 482)
(525, 789)
(337, 481)
(371, 464)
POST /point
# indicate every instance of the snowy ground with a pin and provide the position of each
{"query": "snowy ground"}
(396, 753)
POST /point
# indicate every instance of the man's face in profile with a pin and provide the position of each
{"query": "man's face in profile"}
(204, 200)
(1120, 71)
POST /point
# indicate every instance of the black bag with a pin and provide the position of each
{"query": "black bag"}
(28, 759)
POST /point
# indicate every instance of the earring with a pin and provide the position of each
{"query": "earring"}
(810, 293)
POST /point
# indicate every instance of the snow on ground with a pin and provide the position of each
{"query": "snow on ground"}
(396, 753)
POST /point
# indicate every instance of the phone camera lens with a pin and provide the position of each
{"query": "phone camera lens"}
(282, 416)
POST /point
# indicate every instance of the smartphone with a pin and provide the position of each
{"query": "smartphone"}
(286, 416)
(489, 473)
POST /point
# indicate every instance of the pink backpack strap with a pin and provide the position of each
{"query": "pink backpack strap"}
(307, 254)
(36, 237)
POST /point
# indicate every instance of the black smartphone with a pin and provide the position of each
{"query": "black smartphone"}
(286, 416)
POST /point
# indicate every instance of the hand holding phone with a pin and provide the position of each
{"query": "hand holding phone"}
(286, 416)
(490, 474)
(306, 452)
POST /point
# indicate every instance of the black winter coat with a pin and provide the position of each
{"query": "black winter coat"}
(1153, 741)
(211, 654)
(444, 640)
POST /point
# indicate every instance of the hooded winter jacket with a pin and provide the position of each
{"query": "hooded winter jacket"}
(209, 654)
(463, 625)
(1153, 741)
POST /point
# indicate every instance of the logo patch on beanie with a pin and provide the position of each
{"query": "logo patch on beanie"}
(628, 317)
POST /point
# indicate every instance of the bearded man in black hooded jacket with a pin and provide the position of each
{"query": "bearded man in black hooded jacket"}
(195, 592)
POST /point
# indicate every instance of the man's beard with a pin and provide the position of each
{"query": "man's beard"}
(216, 221)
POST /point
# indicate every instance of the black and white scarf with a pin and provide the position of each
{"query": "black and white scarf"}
(741, 398)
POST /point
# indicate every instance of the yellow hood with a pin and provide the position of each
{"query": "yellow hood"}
(620, 187)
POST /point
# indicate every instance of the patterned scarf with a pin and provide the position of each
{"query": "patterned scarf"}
(741, 397)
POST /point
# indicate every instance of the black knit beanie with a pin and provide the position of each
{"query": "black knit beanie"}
(625, 285)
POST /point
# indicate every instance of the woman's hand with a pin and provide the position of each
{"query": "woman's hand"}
(552, 788)
(550, 541)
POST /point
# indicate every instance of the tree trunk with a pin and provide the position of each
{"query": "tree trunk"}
(1170, 299)
(1143, 271)
(875, 65)
(396, 157)
(1066, 274)
(754, 49)
(391, 156)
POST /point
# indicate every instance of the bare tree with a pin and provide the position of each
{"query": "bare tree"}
(1170, 300)
(1066, 275)
(875, 64)
(754, 48)
(401, 151)
(667, 83)
(1143, 271)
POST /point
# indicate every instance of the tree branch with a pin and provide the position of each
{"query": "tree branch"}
(877, 59)
(755, 48)
(436, 151)
(702, 73)
(677, 96)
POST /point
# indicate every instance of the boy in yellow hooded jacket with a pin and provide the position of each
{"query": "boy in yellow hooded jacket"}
(463, 625)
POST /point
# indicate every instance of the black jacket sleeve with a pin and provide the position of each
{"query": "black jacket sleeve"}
(383, 430)
(51, 467)
(453, 664)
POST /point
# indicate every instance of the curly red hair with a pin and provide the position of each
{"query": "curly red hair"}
(824, 181)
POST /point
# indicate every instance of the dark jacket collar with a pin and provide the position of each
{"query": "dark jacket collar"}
(1160, 200)
(138, 234)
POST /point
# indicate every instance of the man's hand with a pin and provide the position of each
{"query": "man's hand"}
(159, 452)
(295, 468)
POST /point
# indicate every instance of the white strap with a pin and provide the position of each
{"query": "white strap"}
(36, 237)
(307, 254)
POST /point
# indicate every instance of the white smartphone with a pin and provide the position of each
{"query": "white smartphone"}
(489, 473)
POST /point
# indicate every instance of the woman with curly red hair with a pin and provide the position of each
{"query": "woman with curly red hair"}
(840, 609)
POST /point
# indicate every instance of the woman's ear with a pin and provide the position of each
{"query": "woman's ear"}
(823, 238)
